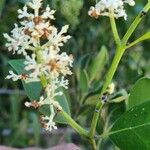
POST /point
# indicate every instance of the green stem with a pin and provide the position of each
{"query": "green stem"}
(108, 79)
(93, 143)
(99, 143)
(135, 23)
(113, 68)
(142, 38)
(120, 51)
(114, 30)
(70, 121)
(73, 124)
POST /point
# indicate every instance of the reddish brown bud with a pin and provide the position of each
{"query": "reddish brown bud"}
(37, 20)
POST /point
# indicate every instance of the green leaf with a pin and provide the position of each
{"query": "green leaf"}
(2, 2)
(131, 130)
(36, 127)
(33, 90)
(64, 104)
(92, 100)
(81, 73)
(140, 92)
(83, 81)
(97, 64)
(146, 36)
(85, 115)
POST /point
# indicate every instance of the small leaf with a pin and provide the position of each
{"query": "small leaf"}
(97, 64)
(33, 89)
(131, 130)
(92, 100)
(140, 92)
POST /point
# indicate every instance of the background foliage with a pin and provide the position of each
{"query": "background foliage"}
(93, 48)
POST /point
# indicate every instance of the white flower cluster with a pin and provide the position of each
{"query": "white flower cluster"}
(113, 8)
(40, 41)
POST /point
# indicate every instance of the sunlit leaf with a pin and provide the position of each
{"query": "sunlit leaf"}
(140, 92)
(33, 89)
(131, 130)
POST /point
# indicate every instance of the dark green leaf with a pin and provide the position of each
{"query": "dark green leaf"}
(92, 100)
(36, 127)
(98, 63)
(81, 73)
(131, 130)
(140, 92)
(33, 90)
(83, 81)
(2, 2)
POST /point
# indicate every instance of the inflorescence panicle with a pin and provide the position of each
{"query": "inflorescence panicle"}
(35, 37)
(111, 8)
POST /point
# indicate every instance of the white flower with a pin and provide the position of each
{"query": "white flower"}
(130, 2)
(35, 4)
(18, 41)
(48, 13)
(113, 8)
(40, 42)
(13, 76)
(48, 122)
(24, 13)
(27, 104)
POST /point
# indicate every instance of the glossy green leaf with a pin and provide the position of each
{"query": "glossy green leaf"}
(33, 90)
(140, 92)
(131, 130)
(98, 63)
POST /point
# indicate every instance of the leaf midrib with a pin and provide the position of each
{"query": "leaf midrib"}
(129, 128)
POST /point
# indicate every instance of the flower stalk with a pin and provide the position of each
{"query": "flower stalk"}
(69, 120)
(114, 30)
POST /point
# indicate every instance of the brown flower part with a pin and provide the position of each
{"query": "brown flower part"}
(54, 65)
(24, 76)
(93, 13)
(34, 104)
(27, 32)
(46, 33)
(37, 20)
(43, 123)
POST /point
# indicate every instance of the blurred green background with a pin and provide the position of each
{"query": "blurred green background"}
(19, 126)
